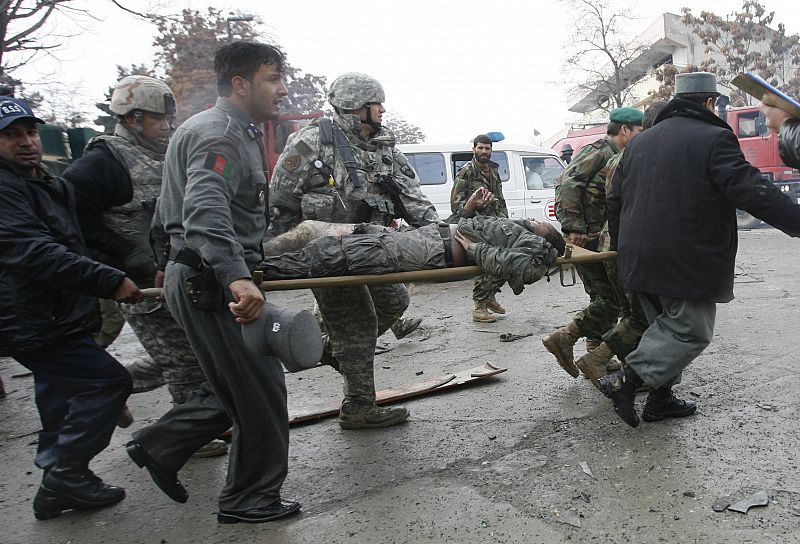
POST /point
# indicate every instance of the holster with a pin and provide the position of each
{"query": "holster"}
(202, 288)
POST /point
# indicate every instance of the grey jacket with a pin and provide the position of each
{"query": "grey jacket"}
(214, 194)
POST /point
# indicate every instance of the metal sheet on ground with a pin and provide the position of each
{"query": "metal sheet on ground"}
(394, 394)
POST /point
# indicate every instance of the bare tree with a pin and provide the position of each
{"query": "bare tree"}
(23, 31)
(601, 50)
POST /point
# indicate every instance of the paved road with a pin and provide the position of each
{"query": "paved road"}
(494, 463)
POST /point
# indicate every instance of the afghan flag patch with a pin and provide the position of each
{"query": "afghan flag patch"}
(219, 164)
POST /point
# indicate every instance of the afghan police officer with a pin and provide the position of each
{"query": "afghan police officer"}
(680, 183)
(118, 181)
(481, 171)
(347, 170)
(581, 209)
(213, 207)
(48, 312)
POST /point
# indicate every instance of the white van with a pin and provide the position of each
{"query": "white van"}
(527, 194)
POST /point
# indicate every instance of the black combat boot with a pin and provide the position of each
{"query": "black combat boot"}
(661, 403)
(620, 387)
(73, 486)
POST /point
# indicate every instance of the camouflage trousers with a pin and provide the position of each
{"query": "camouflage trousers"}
(603, 310)
(354, 318)
(625, 335)
(112, 323)
(486, 286)
(170, 359)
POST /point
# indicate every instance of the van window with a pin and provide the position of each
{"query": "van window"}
(429, 167)
(541, 172)
(460, 159)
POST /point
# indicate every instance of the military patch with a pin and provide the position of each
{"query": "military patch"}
(219, 164)
(408, 171)
(303, 148)
(291, 163)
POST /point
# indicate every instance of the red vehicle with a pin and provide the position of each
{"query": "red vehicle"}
(277, 132)
(759, 145)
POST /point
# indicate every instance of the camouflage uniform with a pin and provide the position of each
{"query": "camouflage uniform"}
(624, 336)
(468, 180)
(312, 181)
(506, 248)
(580, 208)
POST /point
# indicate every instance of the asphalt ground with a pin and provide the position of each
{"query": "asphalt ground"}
(497, 462)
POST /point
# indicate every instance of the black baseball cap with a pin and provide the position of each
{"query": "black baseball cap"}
(14, 109)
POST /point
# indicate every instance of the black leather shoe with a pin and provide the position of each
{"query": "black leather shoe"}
(164, 478)
(277, 510)
(661, 403)
(73, 488)
(620, 387)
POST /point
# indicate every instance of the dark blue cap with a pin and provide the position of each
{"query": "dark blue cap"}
(14, 109)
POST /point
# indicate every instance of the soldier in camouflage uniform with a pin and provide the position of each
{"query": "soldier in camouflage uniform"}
(347, 170)
(580, 208)
(118, 181)
(477, 173)
(624, 336)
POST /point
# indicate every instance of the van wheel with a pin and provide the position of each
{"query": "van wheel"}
(746, 221)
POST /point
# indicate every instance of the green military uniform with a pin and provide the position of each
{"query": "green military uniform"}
(624, 336)
(580, 208)
(213, 207)
(312, 180)
(505, 248)
(469, 179)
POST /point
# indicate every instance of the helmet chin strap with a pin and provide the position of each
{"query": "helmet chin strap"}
(369, 121)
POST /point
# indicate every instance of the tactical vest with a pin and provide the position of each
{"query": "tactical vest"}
(132, 220)
(363, 188)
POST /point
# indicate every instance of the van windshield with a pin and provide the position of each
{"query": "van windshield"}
(460, 159)
(541, 172)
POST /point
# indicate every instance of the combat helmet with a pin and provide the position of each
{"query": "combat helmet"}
(142, 93)
(353, 90)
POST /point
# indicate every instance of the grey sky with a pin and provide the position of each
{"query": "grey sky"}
(454, 68)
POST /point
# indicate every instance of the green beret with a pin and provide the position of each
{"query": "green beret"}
(630, 116)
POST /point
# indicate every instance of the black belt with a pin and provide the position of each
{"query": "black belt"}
(444, 232)
(187, 256)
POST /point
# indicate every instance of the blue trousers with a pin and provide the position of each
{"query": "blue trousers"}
(80, 392)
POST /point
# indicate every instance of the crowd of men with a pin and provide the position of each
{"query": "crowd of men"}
(188, 209)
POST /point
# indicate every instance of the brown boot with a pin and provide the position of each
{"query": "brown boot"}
(481, 314)
(592, 344)
(560, 344)
(493, 305)
(594, 363)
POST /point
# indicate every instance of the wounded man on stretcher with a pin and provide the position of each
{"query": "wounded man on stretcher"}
(519, 251)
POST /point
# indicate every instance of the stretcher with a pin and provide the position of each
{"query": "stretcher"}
(563, 266)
